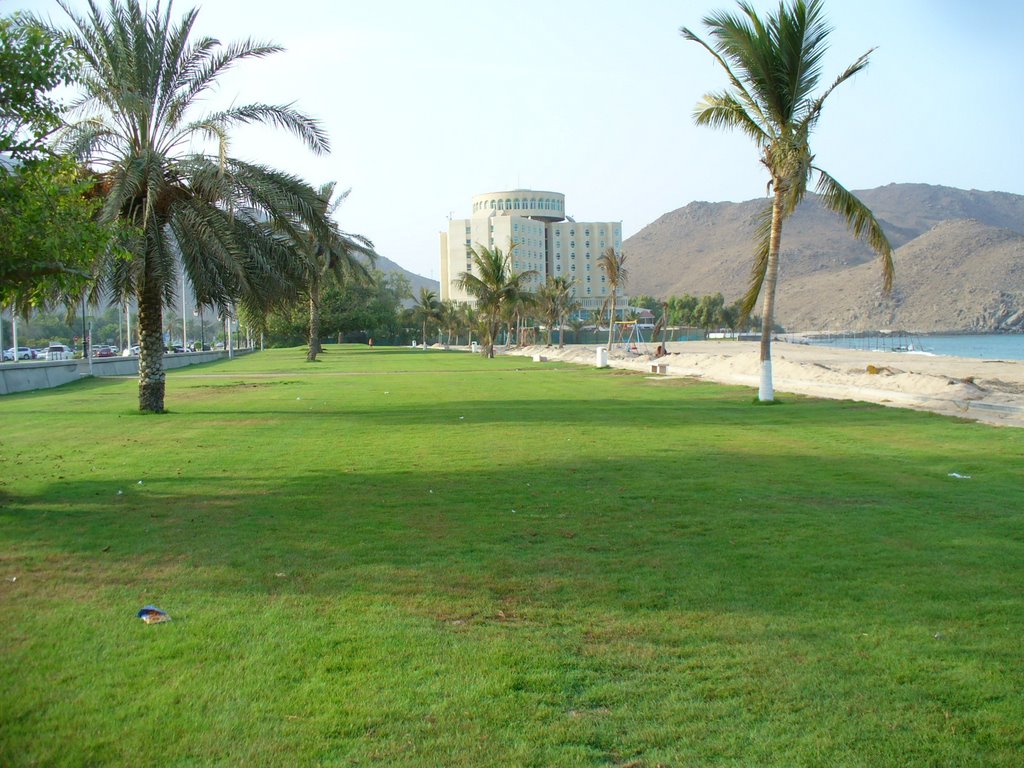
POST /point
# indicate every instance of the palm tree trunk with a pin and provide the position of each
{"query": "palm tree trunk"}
(492, 331)
(611, 319)
(151, 349)
(561, 331)
(314, 322)
(766, 391)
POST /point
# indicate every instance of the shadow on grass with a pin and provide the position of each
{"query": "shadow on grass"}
(719, 531)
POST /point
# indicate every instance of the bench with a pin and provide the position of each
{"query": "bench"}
(661, 368)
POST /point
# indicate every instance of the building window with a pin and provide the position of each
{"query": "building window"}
(586, 232)
(501, 205)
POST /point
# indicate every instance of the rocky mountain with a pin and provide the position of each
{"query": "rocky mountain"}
(959, 260)
(416, 281)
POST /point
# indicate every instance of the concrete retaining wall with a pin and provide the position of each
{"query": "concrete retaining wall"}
(24, 376)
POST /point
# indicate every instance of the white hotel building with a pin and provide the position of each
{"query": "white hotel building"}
(545, 239)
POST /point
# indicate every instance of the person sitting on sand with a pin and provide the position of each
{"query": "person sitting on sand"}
(660, 351)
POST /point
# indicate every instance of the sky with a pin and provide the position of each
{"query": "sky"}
(429, 103)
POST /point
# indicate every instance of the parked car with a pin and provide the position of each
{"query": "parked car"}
(102, 350)
(132, 351)
(24, 353)
(59, 352)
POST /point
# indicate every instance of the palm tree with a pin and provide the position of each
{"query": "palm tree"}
(450, 318)
(231, 224)
(494, 286)
(555, 301)
(338, 255)
(426, 309)
(773, 66)
(616, 274)
(576, 324)
(471, 321)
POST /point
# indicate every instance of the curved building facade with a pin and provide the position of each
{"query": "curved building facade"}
(535, 204)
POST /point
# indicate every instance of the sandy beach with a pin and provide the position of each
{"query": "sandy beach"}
(990, 391)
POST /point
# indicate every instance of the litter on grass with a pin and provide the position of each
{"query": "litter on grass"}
(152, 615)
(959, 476)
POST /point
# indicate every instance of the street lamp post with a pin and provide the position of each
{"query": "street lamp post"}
(198, 312)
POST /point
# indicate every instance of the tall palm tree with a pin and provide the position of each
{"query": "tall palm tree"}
(470, 319)
(426, 309)
(451, 318)
(555, 302)
(773, 66)
(494, 285)
(232, 224)
(616, 275)
(338, 255)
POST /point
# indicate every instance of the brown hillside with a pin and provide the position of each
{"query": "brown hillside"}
(959, 276)
(706, 248)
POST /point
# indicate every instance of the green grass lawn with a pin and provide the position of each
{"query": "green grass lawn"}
(406, 558)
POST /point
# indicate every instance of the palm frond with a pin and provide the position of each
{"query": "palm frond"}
(814, 111)
(743, 94)
(280, 116)
(762, 247)
(860, 220)
(721, 110)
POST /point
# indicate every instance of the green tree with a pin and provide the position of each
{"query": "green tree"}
(709, 312)
(49, 236)
(493, 285)
(576, 325)
(647, 302)
(33, 63)
(426, 309)
(616, 275)
(335, 254)
(773, 66)
(681, 308)
(143, 79)
(451, 319)
(48, 233)
(555, 302)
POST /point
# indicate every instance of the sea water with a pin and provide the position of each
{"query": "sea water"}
(1001, 346)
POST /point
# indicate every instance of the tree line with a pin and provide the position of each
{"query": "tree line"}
(134, 196)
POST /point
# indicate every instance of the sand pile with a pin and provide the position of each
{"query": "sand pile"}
(991, 391)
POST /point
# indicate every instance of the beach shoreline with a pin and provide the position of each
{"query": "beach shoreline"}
(988, 391)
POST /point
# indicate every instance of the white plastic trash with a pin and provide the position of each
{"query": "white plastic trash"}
(602, 357)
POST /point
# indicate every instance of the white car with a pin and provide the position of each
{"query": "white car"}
(58, 352)
(24, 353)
